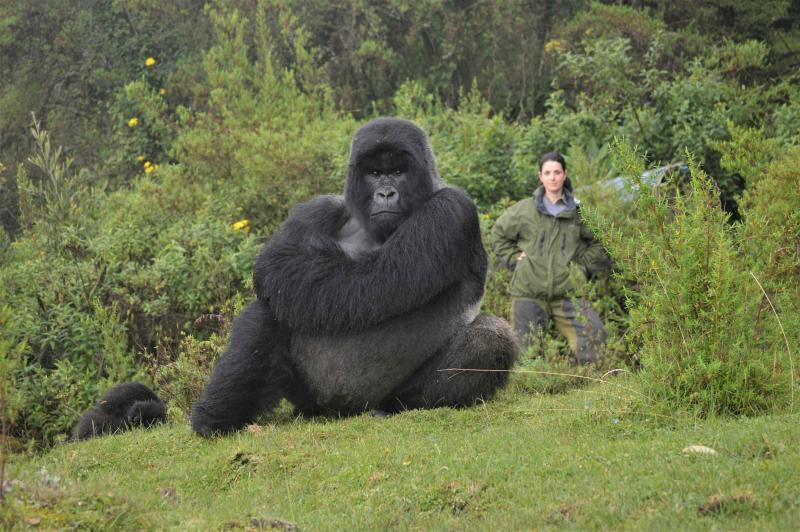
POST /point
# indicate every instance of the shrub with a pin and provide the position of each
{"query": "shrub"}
(143, 128)
(275, 143)
(12, 349)
(119, 274)
(474, 152)
(183, 376)
(770, 237)
(99, 281)
(693, 303)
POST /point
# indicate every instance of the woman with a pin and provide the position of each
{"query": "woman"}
(538, 238)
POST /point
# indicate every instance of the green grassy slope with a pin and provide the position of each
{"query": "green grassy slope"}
(521, 461)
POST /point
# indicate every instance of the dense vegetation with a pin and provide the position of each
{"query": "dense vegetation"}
(149, 148)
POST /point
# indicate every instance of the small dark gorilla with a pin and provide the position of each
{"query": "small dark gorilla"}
(364, 300)
(124, 406)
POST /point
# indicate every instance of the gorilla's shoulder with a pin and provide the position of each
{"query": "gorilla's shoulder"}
(319, 207)
(328, 211)
(456, 198)
(457, 194)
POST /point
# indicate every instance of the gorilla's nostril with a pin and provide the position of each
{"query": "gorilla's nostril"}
(385, 193)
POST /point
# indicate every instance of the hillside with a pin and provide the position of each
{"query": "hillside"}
(523, 461)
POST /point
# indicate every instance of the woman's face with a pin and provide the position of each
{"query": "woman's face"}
(552, 176)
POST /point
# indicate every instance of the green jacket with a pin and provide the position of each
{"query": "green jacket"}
(550, 244)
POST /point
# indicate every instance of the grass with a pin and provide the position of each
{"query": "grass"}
(522, 461)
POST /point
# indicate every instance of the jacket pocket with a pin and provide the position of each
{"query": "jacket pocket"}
(569, 242)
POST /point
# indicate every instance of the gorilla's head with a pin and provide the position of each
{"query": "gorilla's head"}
(390, 174)
(146, 413)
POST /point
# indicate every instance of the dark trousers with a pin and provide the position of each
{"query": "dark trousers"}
(582, 326)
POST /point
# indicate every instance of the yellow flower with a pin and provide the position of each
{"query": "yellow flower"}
(162, 91)
(553, 46)
(486, 216)
(148, 169)
(140, 158)
(133, 122)
(241, 224)
(150, 61)
(147, 163)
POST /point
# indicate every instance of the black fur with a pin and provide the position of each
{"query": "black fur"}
(362, 299)
(120, 408)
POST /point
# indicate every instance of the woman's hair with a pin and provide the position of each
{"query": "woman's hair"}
(553, 156)
(557, 157)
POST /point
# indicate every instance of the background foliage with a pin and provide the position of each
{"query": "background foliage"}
(148, 149)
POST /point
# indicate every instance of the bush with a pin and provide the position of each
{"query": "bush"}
(694, 307)
(183, 376)
(12, 349)
(770, 237)
(100, 280)
(474, 151)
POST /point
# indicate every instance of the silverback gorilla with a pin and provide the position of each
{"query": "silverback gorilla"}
(363, 300)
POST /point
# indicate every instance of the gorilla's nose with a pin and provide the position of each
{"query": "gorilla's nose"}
(386, 196)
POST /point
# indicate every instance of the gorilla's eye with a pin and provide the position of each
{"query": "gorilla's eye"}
(397, 171)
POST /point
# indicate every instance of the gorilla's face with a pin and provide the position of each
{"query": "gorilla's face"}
(389, 190)
(391, 173)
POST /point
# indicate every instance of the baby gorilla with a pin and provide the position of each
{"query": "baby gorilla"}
(124, 406)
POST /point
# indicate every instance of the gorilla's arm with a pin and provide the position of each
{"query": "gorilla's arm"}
(312, 285)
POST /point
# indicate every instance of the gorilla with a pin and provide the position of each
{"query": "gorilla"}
(368, 301)
(120, 408)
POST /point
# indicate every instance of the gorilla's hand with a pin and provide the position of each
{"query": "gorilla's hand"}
(313, 286)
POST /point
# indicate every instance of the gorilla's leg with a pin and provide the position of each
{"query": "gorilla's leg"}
(251, 377)
(487, 343)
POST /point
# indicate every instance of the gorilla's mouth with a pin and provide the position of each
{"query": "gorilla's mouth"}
(388, 214)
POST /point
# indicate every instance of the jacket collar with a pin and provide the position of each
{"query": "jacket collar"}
(569, 201)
